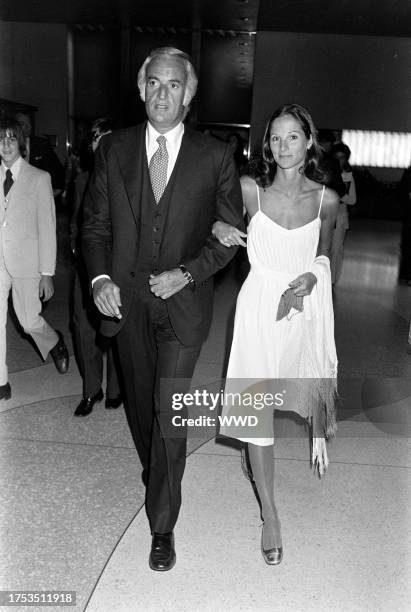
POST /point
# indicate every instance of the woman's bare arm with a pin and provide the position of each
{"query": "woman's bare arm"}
(329, 212)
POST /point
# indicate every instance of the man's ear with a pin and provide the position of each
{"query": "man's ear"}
(187, 98)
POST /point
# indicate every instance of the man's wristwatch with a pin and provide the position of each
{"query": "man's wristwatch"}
(190, 280)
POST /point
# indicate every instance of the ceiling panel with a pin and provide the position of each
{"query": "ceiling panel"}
(373, 17)
(367, 17)
(215, 14)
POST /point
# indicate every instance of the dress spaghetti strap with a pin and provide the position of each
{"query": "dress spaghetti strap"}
(258, 197)
(321, 202)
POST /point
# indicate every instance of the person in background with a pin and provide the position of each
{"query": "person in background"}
(89, 343)
(341, 153)
(237, 145)
(240, 264)
(405, 253)
(27, 249)
(405, 198)
(39, 153)
(331, 174)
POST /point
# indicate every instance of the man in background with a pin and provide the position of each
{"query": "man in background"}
(27, 249)
(89, 343)
(330, 166)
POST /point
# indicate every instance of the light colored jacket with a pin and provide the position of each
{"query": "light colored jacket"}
(28, 224)
(347, 200)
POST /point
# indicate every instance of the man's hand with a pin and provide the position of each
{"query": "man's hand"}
(46, 287)
(168, 283)
(106, 296)
(228, 235)
(303, 284)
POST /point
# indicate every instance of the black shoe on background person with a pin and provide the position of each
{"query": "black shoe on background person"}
(86, 405)
(5, 391)
(113, 402)
(60, 354)
(162, 555)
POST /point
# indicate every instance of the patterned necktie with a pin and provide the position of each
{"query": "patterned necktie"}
(158, 169)
(8, 182)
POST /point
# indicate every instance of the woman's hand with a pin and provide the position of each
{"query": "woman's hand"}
(228, 235)
(303, 284)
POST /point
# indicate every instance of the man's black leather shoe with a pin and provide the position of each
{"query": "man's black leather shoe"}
(60, 354)
(86, 405)
(5, 391)
(162, 555)
(114, 402)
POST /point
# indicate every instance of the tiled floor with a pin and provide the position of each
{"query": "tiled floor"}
(71, 499)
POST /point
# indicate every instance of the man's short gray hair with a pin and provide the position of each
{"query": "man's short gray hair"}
(191, 84)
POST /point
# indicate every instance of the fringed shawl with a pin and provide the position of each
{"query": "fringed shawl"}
(319, 356)
(319, 362)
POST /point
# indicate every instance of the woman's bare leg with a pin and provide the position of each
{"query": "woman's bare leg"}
(262, 465)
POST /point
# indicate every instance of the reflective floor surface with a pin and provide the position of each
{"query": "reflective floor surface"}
(72, 502)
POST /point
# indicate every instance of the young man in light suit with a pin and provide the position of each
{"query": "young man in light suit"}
(156, 191)
(27, 249)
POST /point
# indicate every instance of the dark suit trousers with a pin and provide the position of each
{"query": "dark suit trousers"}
(149, 351)
(89, 344)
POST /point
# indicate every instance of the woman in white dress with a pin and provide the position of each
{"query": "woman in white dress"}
(292, 217)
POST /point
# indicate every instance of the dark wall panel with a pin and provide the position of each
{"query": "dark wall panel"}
(224, 93)
(97, 73)
(33, 70)
(356, 82)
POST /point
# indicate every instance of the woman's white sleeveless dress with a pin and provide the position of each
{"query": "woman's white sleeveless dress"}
(263, 348)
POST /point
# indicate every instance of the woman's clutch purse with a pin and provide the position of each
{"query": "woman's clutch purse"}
(288, 301)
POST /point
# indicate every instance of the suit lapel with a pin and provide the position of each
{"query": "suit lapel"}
(21, 185)
(186, 166)
(131, 151)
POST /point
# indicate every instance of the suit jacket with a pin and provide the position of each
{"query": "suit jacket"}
(80, 187)
(206, 187)
(28, 224)
(43, 157)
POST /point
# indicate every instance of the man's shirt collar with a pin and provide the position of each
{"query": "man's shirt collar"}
(15, 168)
(173, 137)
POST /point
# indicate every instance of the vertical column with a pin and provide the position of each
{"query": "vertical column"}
(70, 134)
(196, 56)
(125, 72)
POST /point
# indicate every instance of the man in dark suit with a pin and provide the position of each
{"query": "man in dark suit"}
(157, 188)
(89, 344)
(40, 154)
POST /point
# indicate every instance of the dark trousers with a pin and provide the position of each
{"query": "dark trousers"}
(150, 351)
(89, 344)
